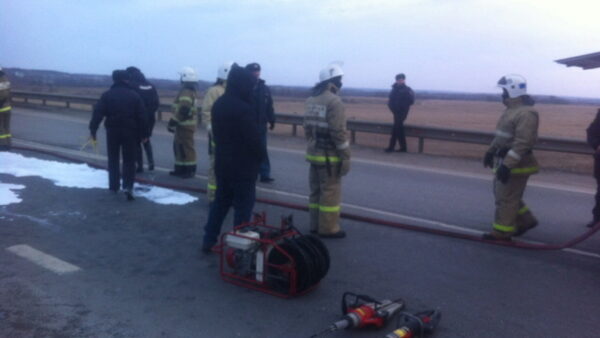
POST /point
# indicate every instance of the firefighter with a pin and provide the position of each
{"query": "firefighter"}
(328, 152)
(212, 94)
(5, 108)
(183, 124)
(593, 139)
(512, 148)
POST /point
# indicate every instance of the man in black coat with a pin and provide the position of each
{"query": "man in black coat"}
(262, 101)
(125, 121)
(593, 139)
(148, 93)
(400, 99)
(238, 154)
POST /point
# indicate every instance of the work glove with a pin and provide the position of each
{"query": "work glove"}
(502, 152)
(271, 125)
(171, 126)
(503, 173)
(488, 160)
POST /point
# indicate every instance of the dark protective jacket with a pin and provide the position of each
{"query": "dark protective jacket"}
(121, 107)
(400, 99)
(149, 95)
(262, 101)
(593, 132)
(238, 147)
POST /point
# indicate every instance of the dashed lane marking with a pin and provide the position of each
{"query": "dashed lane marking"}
(42, 259)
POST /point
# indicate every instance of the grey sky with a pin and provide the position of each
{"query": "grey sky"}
(458, 45)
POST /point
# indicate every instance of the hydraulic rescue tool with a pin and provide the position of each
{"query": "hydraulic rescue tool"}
(277, 260)
(363, 311)
(416, 325)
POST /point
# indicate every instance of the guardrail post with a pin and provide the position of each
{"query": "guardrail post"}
(353, 136)
(294, 129)
(421, 144)
(68, 104)
(43, 102)
(159, 114)
(26, 99)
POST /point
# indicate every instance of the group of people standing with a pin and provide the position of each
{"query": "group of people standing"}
(237, 109)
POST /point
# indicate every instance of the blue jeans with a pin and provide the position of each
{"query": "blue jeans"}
(239, 194)
(265, 166)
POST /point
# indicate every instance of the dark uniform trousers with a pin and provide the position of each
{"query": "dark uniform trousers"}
(121, 140)
(240, 194)
(398, 133)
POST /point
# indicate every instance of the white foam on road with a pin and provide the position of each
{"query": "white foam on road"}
(7, 195)
(44, 260)
(72, 175)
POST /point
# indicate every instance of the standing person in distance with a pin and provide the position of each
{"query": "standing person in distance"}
(512, 147)
(124, 115)
(328, 152)
(5, 110)
(400, 99)
(147, 92)
(262, 101)
(593, 139)
(238, 154)
(211, 96)
(183, 124)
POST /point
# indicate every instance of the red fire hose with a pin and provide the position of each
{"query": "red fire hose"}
(350, 216)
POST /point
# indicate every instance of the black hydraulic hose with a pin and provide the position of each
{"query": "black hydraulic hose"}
(355, 217)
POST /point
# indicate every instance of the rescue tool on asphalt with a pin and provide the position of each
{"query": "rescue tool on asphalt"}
(276, 260)
(360, 311)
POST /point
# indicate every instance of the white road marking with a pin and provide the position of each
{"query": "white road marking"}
(304, 199)
(483, 177)
(44, 260)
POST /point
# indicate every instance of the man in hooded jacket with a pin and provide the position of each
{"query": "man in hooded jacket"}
(124, 115)
(147, 92)
(238, 154)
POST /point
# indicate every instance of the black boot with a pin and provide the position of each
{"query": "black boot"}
(189, 171)
(178, 171)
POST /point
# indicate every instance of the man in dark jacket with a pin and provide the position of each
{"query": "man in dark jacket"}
(147, 92)
(400, 99)
(262, 102)
(238, 154)
(593, 139)
(125, 120)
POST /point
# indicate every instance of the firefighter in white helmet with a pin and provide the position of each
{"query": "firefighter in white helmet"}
(328, 152)
(212, 94)
(5, 110)
(512, 148)
(183, 124)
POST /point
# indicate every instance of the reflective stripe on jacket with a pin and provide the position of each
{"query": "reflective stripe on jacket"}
(516, 134)
(325, 128)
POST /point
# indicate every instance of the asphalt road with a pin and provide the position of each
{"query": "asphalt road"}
(141, 274)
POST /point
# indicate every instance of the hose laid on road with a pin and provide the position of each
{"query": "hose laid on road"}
(355, 217)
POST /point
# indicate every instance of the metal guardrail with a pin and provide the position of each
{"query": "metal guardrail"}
(562, 145)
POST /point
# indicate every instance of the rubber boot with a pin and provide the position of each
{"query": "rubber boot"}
(177, 172)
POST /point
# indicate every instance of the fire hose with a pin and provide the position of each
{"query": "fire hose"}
(346, 215)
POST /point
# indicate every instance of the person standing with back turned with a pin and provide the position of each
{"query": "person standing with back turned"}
(328, 152)
(125, 121)
(399, 102)
(238, 154)
(147, 92)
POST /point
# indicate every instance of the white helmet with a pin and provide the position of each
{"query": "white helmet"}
(329, 72)
(188, 74)
(224, 70)
(515, 85)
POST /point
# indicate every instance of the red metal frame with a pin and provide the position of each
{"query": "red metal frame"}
(288, 269)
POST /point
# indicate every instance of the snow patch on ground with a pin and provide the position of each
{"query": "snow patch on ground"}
(72, 175)
(7, 195)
